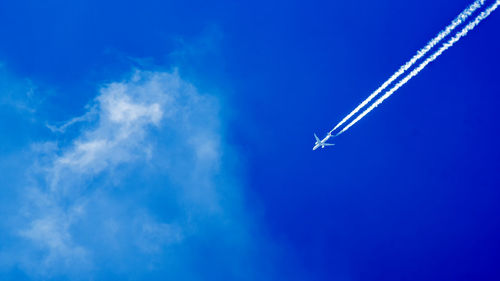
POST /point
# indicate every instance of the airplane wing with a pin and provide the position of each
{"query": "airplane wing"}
(316, 137)
(328, 144)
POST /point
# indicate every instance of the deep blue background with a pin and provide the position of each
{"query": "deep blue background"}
(409, 193)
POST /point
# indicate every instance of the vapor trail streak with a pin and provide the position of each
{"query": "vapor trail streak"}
(441, 35)
(412, 74)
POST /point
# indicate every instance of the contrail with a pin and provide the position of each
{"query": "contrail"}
(441, 35)
(412, 74)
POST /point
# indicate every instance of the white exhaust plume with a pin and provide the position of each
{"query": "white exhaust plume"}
(431, 58)
(456, 22)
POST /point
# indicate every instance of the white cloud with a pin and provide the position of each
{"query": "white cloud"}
(141, 181)
(17, 93)
(50, 234)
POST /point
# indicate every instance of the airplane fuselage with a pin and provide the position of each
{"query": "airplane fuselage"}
(322, 142)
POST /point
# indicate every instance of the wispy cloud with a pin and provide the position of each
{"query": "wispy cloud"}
(145, 185)
(16, 92)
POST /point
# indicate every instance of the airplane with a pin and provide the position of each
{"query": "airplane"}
(322, 142)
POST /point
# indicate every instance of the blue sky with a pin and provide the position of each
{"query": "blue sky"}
(159, 140)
